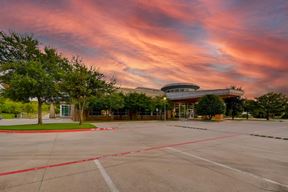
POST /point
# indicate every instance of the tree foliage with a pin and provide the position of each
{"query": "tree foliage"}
(234, 106)
(133, 103)
(81, 83)
(250, 107)
(29, 72)
(111, 102)
(210, 105)
(137, 103)
(285, 116)
(28, 109)
(272, 104)
(8, 106)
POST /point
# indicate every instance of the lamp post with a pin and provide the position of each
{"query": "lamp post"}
(164, 108)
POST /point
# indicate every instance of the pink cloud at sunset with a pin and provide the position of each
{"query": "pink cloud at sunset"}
(150, 43)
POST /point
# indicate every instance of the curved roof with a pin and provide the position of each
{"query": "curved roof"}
(224, 93)
(179, 85)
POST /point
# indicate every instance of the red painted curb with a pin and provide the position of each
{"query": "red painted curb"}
(114, 155)
(56, 131)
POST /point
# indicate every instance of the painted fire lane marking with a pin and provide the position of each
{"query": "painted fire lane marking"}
(116, 155)
(228, 167)
(106, 177)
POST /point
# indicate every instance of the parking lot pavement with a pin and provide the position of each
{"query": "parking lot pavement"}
(149, 156)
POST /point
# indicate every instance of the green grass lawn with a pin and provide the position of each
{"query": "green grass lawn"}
(50, 126)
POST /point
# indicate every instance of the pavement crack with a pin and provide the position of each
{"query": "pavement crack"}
(48, 160)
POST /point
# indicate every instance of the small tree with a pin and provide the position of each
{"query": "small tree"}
(29, 72)
(234, 106)
(210, 105)
(272, 104)
(81, 83)
(159, 103)
(116, 102)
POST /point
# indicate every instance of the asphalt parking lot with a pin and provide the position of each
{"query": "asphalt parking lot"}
(227, 156)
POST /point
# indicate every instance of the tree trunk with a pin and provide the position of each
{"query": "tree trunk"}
(81, 110)
(112, 115)
(233, 114)
(80, 114)
(120, 113)
(39, 112)
(247, 115)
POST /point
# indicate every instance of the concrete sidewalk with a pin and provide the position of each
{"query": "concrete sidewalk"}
(32, 121)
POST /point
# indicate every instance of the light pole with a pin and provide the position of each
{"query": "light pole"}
(164, 108)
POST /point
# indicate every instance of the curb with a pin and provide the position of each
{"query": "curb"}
(56, 131)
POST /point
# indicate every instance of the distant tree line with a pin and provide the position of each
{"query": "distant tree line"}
(269, 105)
(131, 104)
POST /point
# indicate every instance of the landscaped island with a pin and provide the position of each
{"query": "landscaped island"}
(49, 126)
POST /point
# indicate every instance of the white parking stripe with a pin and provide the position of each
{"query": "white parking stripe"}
(228, 167)
(106, 177)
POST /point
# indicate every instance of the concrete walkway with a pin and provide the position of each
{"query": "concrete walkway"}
(32, 121)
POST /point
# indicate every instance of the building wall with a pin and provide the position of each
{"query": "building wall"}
(147, 91)
(182, 100)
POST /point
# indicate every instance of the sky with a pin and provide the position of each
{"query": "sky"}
(150, 43)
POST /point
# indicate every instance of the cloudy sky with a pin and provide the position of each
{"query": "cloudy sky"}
(213, 43)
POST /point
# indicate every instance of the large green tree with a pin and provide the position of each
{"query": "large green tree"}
(81, 83)
(272, 104)
(210, 105)
(110, 102)
(29, 72)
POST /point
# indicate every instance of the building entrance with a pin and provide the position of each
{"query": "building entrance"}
(184, 111)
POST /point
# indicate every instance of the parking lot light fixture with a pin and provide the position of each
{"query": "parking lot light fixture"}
(164, 98)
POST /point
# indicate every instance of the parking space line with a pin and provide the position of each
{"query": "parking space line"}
(106, 177)
(228, 167)
(116, 155)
